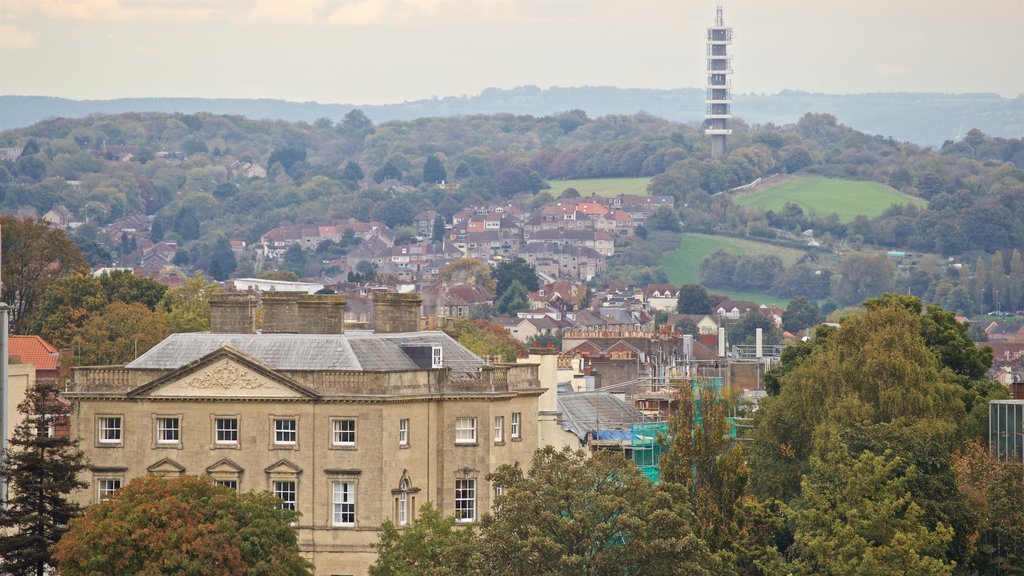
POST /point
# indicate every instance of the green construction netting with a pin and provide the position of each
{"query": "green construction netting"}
(644, 444)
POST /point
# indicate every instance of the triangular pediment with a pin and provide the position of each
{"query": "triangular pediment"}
(224, 466)
(283, 467)
(224, 373)
(166, 467)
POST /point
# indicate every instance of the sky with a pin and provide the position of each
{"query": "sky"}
(389, 51)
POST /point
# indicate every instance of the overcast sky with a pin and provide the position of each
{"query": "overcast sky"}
(385, 51)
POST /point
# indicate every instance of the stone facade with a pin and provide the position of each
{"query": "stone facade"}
(347, 441)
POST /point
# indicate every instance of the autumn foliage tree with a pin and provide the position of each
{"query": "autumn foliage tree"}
(486, 339)
(188, 305)
(34, 255)
(119, 334)
(186, 525)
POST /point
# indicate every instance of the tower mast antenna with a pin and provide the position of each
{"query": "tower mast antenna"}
(719, 86)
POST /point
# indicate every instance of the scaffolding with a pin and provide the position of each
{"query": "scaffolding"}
(648, 440)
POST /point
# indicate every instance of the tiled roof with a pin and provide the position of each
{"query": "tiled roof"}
(34, 350)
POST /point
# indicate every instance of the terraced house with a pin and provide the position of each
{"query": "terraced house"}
(350, 428)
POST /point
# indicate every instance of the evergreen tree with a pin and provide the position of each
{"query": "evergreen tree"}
(40, 468)
(438, 232)
(186, 224)
(693, 299)
(352, 173)
(222, 260)
(515, 298)
(433, 170)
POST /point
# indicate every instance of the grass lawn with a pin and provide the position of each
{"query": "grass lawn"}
(602, 186)
(847, 198)
(683, 265)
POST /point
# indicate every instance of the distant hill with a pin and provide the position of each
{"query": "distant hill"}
(923, 118)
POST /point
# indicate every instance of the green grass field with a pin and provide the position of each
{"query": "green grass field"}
(823, 196)
(683, 265)
(601, 186)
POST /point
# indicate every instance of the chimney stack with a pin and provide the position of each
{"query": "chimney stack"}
(321, 314)
(232, 314)
(280, 313)
(395, 313)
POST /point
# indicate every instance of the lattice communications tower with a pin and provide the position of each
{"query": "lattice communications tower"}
(719, 97)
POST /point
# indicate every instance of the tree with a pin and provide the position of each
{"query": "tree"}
(517, 269)
(800, 314)
(352, 174)
(582, 516)
(188, 306)
(693, 299)
(119, 334)
(288, 157)
(34, 255)
(744, 331)
(856, 516)
(515, 298)
(432, 546)
(437, 232)
(222, 260)
(862, 276)
(876, 369)
(69, 303)
(123, 286)
(225, 190)
(664, 218)
(700, 454)
(41, 469)
(468, 271)
(486, 339)
(186, 224)
(356, 123)
(186, 525)
(389, 171)
(993, 488)
(294, 260)
(433, 170)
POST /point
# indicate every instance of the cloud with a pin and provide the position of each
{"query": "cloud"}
(286, 11)
(112, 10)
(13, 37)
(358, 13)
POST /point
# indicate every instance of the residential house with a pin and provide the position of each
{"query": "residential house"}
(246, 170)
(59, 216)
(424, 223)
(601, 242)
(1012, 332)
(563, 261)
(661, 297)
(733, 309)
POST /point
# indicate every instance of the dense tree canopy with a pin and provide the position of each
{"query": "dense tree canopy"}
(514, 270)
(693, 299)
(183, 525)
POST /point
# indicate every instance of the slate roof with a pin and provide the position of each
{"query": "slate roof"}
(351, 351)
(584, 412)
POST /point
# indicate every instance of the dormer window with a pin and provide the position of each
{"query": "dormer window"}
(436, 357)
